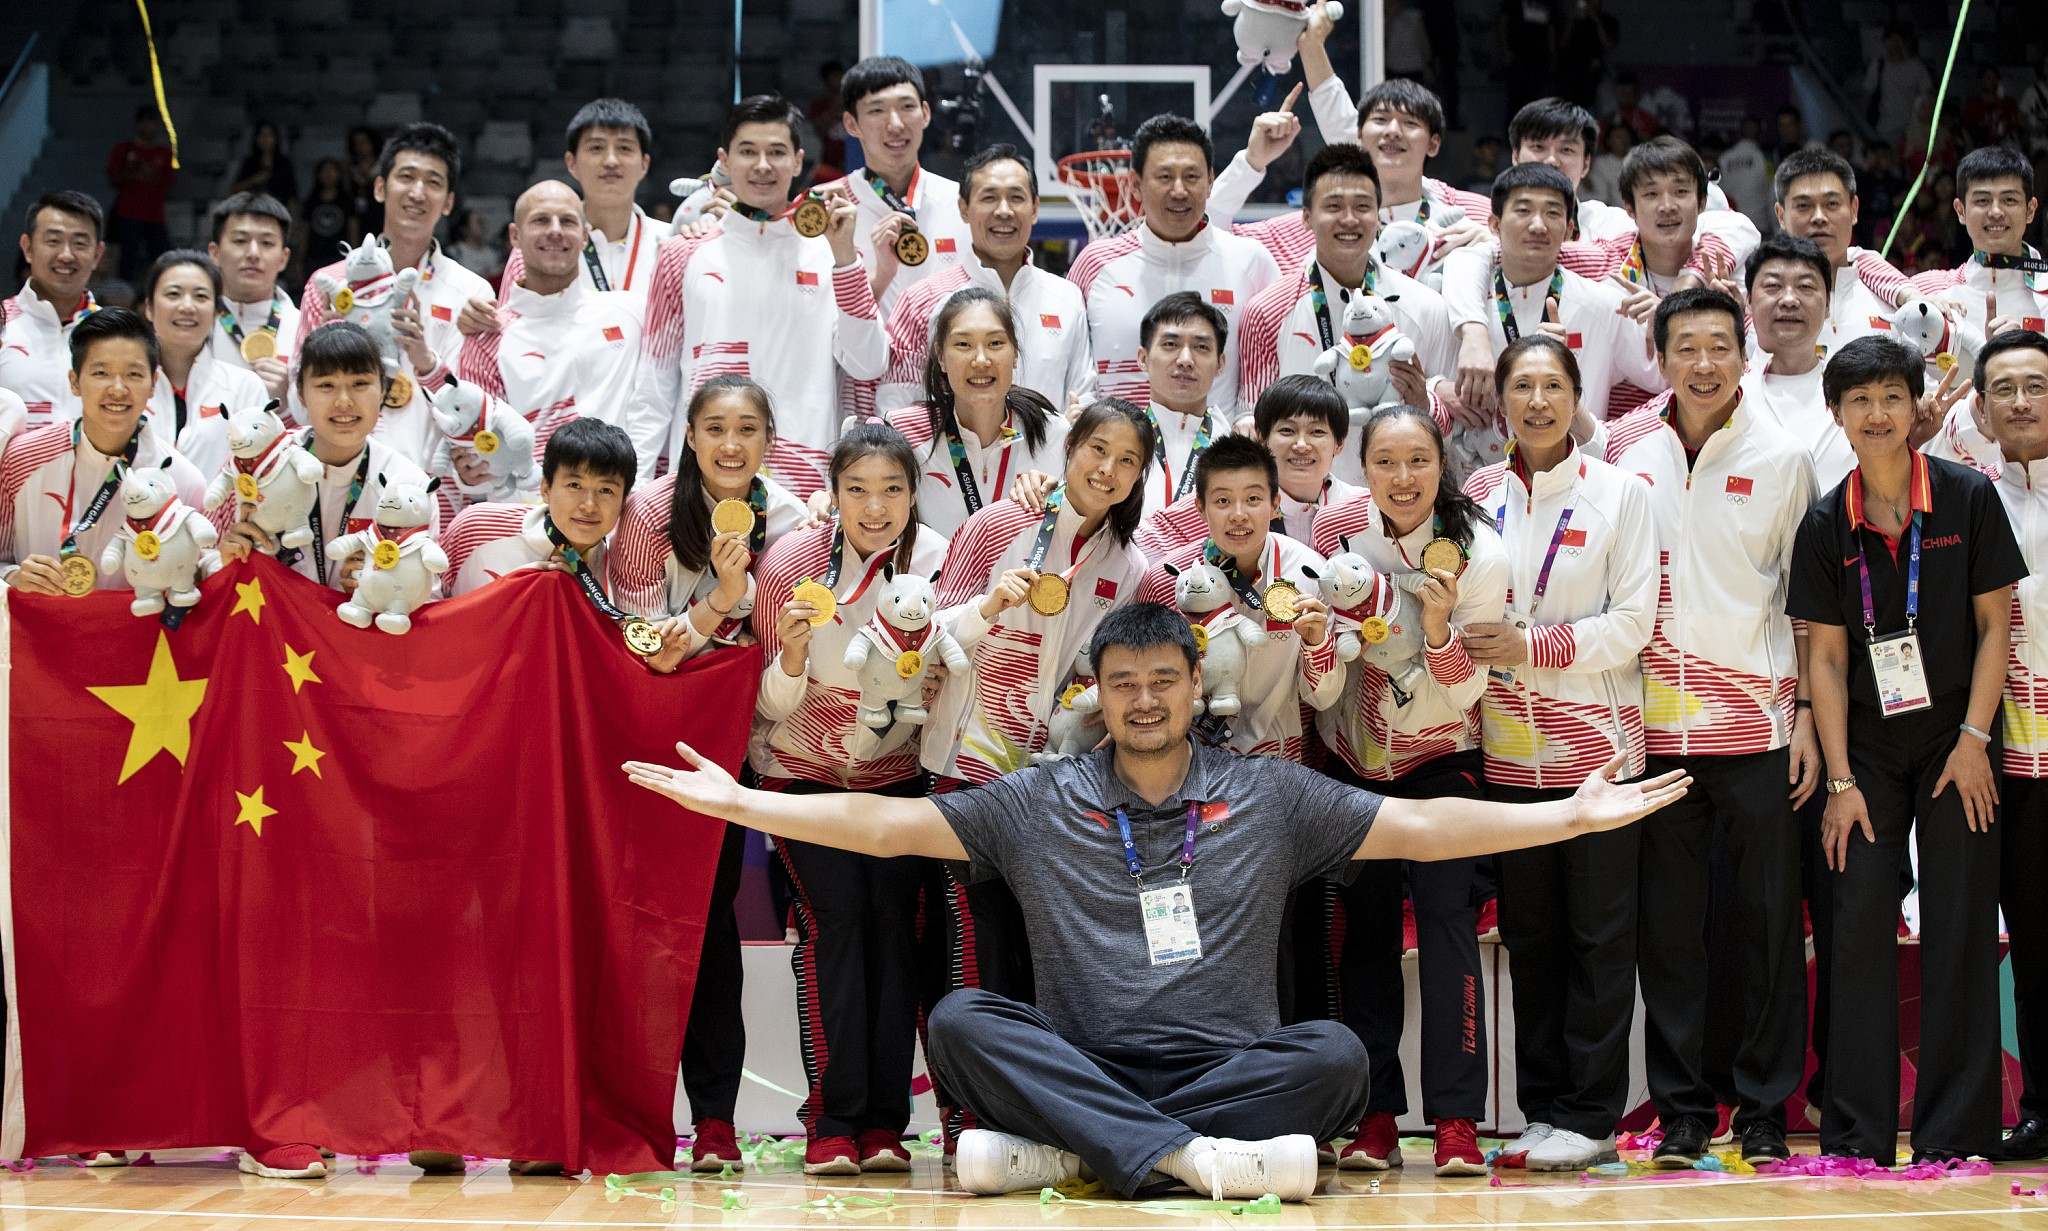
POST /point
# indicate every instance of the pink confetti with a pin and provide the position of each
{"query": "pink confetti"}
(1837, 1167)
(1648, 1139)
(1491, 1181)
(2018, 1191)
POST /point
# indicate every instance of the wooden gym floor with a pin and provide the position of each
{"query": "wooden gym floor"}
(193, 1189)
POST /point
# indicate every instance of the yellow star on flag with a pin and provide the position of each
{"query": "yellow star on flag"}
(252, 811)
(161, 707)
(249, 598)
(300, 668)
(304, 754)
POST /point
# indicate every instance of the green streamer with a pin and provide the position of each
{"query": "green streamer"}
(1955, 42)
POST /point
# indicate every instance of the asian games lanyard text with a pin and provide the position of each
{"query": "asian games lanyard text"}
(1136, 867)
(234, 326)
(596, 266)
(313, 518)
(1036, 560)
(888, 194)
(1195, 451)
(580, 569)
(108, 486)
(1506, 306)
(831, 578)
(757, 500)
(1564, 521)
(1912, 582)
(2030, 263)
(970, 491)
(1319, 299)
(1231, 573)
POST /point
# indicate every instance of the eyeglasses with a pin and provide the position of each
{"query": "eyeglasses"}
(2012, 393)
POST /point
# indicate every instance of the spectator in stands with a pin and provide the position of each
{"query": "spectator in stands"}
(473, 247)
(1883, 185)
(1629, 111)
(328, 216)
(1489, 159)
(1791, 132)
(363, 145)
(824, 112)
(266, 168)
(1746, 176)
(1990, 118)
(1584, 43)
(1843, 142)
(1603, 182)
(1408, 53)
(2034, 110)
(1894, 86)
(1527, 48)
(140, 170)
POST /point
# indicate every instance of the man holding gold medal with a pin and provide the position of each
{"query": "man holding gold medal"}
(59, 482)
(257, 320)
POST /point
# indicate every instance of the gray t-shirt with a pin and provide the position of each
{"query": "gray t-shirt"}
(1266, 826)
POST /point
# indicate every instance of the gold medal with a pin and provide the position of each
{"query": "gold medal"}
(486, 442)
(1373, 629)
(1282, 602)
(1361, 359)
(245, 487)
(80, 576)
(148, 545)
(909, 663)
(823, 602)
(912, 248)
(641, 637)
(259, 345)
(1074, 689)
(1049, 593)
(344, 299)
(385, 554)
(811, 218)
(1201, 637)
(400, 393)
(1443, 556)
(732, 517)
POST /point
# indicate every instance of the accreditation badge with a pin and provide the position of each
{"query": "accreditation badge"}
(1899, 673)
(1171, 933)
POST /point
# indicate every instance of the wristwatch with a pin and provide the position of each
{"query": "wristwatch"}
(1837, 785)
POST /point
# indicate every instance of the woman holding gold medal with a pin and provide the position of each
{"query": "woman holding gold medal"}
(855, 958)
(1414, 734)
(195, 388)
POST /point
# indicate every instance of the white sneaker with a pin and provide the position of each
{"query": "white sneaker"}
(103, 1158)
(1531, 1137)
(990, 1163)
(1238, 1170)
(1564, 1150)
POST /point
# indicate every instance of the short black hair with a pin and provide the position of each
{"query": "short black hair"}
(1512, 354)
(601, 448)
(338, 346)
(608, 113)
(250, 205)
(1338, 158)
(1140, 626)
(67, 201)
(1696, 299)
(762, 109)
(1662, 155)
(1534, 175)
(1779, 246)
(112, 325)
(1812, 160)
(1184, 306)
(1550, 118)
(1234, 452)
(2010, 339)
(1871, 359)
(878, 73)
(1994, 162)
(1407, 97)
(426, 138)
(1170, 129)
(171, 260)
(1302, 394)
(1001, 151)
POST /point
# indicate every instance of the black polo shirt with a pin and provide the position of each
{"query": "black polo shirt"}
(1966, 548)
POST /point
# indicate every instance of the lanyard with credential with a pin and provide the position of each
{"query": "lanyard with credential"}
(1187, 845)
(233, 326)
(1912, 582)
(1564, 521)
(596, 266)
(290, 556)
(963, 470)
(1195, 451)
(1506, 306)
(98, 504)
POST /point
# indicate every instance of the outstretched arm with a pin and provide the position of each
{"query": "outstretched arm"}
(878, 825)
(1455, 828)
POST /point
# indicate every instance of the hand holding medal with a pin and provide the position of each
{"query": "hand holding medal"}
(839, 229)
(811, 217)
(1439, 595)
(1010, 591)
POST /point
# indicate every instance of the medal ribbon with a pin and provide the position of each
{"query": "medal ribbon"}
(1319, 299)
(757, 500)
(1195, 451)
(234, 326)
(163, 517)
(578, 568)
(1187, 844)
(290, 556)
(1506, 306)
(98, 504)
(2031, 263)
(831, 578)
(1035, 560)
(888, 194)
(1633, 271)
(596, 266)
(1564, 521)
(1239, 583)
(1912, 581)
(897, 637)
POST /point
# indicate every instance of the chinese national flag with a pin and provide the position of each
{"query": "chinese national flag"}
(274, 879)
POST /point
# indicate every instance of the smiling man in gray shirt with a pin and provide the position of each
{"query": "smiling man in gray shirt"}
(1153, 875)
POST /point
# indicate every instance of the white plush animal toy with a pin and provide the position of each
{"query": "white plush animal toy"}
(1945, 344)
(467, 415)
(893, 650)
(694, 195)
(1222, 633)
(158, 547)
(1366, 617)
(1073, 729)
(271, 476)
(367, 293)
(1360, 364)
(403, 561)
(1267, 30)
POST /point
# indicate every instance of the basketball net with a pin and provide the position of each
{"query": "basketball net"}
(1103, 189)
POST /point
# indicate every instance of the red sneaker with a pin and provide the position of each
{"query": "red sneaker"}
(292, 1162)
(1724, 1126)
(1457, 1149)
(831, 1156)
(1376, 1147)
(716, 1146)
(882, 1150)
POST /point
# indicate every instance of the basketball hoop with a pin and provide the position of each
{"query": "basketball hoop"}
(1103, 190)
